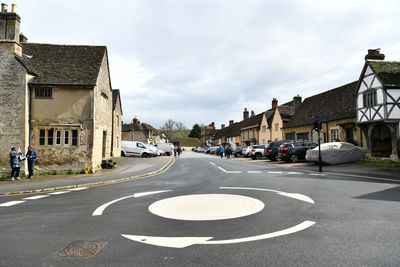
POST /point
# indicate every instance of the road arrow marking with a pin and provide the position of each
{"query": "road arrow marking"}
(182, 242)
(99, 210)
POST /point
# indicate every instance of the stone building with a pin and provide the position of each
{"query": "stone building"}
(141, 132)
(57, 98)
(207, 134)
(117, 123)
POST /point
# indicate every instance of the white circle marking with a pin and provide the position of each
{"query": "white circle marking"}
(206, 207)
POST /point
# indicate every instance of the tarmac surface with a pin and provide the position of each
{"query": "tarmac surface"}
(130, 168)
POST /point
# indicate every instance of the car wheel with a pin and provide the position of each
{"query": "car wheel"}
(274, 158)
(145, 155)
(294, 158)
(123, 153)
(258, 156)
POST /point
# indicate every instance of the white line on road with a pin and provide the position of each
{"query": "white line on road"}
(274, 172)
(36, 197)
(99, 210)
(295, 173)
(11, 203)
(59, 193)
(78, 188)
(254, 172)
(212, 163)
(225, 171)
(318, 174)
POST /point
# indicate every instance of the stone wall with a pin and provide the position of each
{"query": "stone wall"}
(117, 129)
(13, 104)
(102, 116)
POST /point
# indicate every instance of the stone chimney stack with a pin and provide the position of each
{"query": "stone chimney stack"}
(9, 29)
(245, 114)
(297, 101)
(212, 124)
(374, 54)
(230, 122)
(222, 126)
(252, 114)
(274, 103)
(135, 121)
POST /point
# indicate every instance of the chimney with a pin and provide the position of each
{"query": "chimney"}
(13, 8)
(4, 7)
(9, 28)
(230, 122)
(245, 114)
(135, 121)
(252, 114)
(22, 38)
(212, 124)
(297, 102)
(274, 103)
(374, 54)
(222, 126)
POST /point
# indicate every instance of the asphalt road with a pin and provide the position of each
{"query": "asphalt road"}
(207, 211)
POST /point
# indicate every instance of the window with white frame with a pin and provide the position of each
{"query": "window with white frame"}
(66, 137)
(335, 135)
(264, 128)
(276, 126)
(58, 137)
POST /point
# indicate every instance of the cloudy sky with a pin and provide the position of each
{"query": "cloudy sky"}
(198, 61)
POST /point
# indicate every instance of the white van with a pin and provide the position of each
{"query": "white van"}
(134, 148)
(168, 148)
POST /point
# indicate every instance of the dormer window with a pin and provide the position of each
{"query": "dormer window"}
(43, 92)
(369, 99)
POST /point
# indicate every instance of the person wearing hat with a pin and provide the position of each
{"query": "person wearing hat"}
(15, 162)
(31, 155)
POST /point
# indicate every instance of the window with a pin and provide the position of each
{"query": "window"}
(66, 137)
(302, 136)
(276, 126)
(58, 137)
(263, 141)
(74, 137)
(42, 134)
(289, 136)
(335, 135)
(117, 121)
(264, 129)
(117, 141)
(50, 137)
(370, 99)
(248, 135)
(43, 92)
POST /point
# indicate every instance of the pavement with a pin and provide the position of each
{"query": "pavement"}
(129, 168)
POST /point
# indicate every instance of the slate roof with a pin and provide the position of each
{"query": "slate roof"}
(63, 64)
(252, 121)
(335, 104)
(387, 71)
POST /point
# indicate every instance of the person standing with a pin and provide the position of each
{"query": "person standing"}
(179, 151)
(228, 152)
(15, 162)
(221, 151)
(31, 155)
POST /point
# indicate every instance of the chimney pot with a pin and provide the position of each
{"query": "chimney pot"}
(374, 54)
(274, 103)
(4, 7)
(222, 126)
(230, 122)
(13, 8)
(245, 114)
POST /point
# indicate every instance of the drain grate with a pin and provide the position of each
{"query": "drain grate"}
(82, 249)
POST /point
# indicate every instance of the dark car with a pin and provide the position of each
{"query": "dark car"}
(238, 151)
(271, 150)
(293, 152)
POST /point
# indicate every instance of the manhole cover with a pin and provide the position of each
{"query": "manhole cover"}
(84, 249)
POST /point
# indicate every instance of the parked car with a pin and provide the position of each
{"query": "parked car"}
(167, 147)
(271, 150)
(246, 151)
(135, 148)
(237, 152)
(153, 149)
(257, 151)
(295, 151)
(336, 153)
(213, 150)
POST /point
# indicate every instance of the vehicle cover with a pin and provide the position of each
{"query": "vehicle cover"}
(336, 153)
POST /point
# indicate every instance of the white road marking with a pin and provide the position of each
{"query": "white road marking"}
(11, 203)
(58, 193)
(36, 197)
(99, 210)
(291, 195)
(212, 163)
(182, 242)
(254, 172)
(318, 174)
(295, 173)
(225, 171)
(78, 188)
(274, 172)
(206, 207)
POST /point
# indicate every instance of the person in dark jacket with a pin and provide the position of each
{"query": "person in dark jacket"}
(228, 152)
(31, 155)
(221, 151)
(15, 162)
